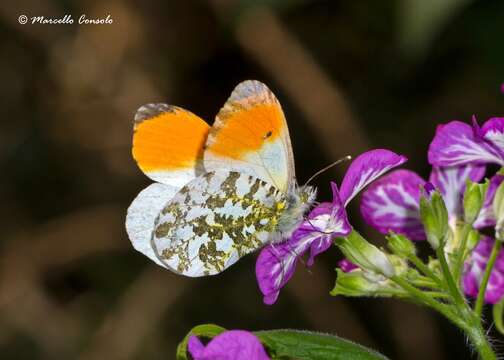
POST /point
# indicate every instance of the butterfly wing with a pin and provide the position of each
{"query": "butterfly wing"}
(168, 146)
(168, 143)
(214, 220)
(143, 212)
(250, 135)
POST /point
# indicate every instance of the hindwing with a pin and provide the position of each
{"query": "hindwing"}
(214, 220)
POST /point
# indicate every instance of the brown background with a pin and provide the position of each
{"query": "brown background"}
(351, 75)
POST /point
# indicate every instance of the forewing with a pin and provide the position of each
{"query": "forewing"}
(250, 135)
(168, 143)
(214, 220)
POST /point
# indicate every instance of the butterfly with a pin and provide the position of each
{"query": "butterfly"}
(221, 192)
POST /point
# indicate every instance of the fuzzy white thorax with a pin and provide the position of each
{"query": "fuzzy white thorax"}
(299, 201)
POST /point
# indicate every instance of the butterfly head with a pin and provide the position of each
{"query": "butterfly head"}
(304, 195)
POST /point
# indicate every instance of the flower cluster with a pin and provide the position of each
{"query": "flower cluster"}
(458, 210)
(276, 263)
(392, 204)
(459, 144)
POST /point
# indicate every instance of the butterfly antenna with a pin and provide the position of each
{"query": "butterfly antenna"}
(346, 158)
(300, 258)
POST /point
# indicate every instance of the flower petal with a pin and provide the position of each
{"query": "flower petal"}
(312, 235)
(275, 266)
(392, 204)
(475, 267)
(457, 143)
(276, 263)
(493, 131)
(142, 213)
(318, 246)
(195, 347)
(486, 216)
(230, 345)
(326, 224)
(338, 225)
(451, 182)
(366, 168)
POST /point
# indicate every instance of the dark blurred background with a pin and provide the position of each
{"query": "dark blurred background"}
(351, 76)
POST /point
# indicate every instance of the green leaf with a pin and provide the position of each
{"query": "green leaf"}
(305, 345)
(206, 330)
(497, 315)
(293, 344)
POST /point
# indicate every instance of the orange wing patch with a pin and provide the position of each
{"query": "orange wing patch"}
(250, 135)
(168, 142)
(252, 127)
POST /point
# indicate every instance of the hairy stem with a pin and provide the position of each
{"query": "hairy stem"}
(450, 282)
(429, 301)
(478, 338)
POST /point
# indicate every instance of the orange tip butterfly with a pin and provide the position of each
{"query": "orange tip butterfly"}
(221, 192)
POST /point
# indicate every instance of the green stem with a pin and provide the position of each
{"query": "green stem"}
(438, 295)
(478, 308)
(466, 320)
(470, 321)
(478, 338)
(425, 282)
(452, 286)
(425, 269)
(429, 301)
(464, 232)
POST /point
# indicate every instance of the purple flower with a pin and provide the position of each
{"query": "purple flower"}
(230, 345)
(392, 203)
(457, 143)
(475, 267)
(276, 263)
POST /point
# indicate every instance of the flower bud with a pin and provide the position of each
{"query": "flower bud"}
(474, 196)
(400, 245)
(498, 209)
(362, 283)
(353, 284)
(434, 217)
(365, 255)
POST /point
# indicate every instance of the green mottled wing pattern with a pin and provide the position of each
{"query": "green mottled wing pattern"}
(214, 220)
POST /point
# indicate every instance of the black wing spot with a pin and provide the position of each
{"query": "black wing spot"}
(268, 134)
